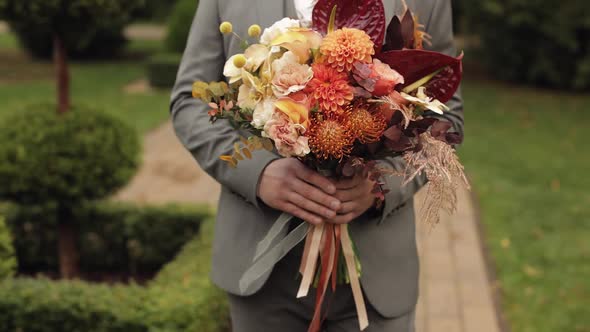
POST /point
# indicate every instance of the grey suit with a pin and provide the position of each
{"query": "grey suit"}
(387, 249)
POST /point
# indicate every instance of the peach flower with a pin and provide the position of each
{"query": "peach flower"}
(289, 75)
(287, 136)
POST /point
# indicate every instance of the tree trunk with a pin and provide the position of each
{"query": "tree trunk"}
(62, 75)
(67, 247)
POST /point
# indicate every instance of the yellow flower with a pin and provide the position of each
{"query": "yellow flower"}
(225, 28)
(300, 41)
(254, 30)
(297, 112)
(239, 60)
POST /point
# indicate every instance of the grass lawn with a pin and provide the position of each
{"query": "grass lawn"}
(527, 154)
(97, 84)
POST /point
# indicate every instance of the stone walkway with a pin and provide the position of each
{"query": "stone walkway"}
(456, 294)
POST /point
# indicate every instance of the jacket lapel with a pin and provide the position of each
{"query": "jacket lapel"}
(270, 11)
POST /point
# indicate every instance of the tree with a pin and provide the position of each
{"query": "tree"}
(70, 22)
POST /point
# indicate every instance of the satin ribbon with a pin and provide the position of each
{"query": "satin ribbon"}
(357, 293)
(267, 259)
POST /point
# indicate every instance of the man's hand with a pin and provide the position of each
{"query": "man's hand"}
(288, 185)
(356, 197)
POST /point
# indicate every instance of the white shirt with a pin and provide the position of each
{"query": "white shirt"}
(304, 10)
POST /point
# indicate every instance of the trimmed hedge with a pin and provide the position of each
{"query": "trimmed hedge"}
(64, 159)
(538, 42)
(180, 299)
(183, 297)
(114, 236)
(7, 258)
(179, 25)
(162, 69)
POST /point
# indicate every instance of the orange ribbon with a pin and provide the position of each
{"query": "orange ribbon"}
(326, 240)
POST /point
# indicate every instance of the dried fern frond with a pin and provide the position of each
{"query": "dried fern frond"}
(441, 165)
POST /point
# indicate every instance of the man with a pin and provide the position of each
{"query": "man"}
(254, 194)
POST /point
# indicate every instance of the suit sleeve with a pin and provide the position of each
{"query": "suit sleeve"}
(440, 27)
(203, 60)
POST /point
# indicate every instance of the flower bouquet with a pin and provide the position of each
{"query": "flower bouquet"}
(339, 96)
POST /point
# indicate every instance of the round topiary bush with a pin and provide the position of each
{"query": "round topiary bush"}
(539, 42)
(7, 257)
(179, 24)
(66, 159)
(84, 27)
(103, 43)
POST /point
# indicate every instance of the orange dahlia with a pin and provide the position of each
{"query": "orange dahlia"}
(329, 89)
(365, 125)
(329, 137)
(343, 47)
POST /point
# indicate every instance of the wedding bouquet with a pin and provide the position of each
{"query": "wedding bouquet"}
(339, 98)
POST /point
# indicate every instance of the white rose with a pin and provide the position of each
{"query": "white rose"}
(263, 112)
(277, 29)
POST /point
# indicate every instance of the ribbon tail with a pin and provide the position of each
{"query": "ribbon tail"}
(337, 245)
(357, 293)
(327, 262)
(311, 260)
(273, 234)
(268, 259)
(306, 251)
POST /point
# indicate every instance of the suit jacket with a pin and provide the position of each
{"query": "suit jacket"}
(386, 244)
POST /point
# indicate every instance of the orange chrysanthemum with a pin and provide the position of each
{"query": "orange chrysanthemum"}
(341, 48)
(329, 89)
(366, 126)
(329, 137)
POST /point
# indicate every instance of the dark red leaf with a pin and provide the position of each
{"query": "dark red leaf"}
(394, 39)
(403, 144)
(366, 15)
(417, 128)
(407, 30)
(393, 133)
(439, 129)
(414, 65)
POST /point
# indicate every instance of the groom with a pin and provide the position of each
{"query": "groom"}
(254, 194)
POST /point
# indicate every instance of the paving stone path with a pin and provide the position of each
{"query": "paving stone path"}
(456, 293)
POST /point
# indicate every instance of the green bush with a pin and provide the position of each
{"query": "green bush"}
(88, 27)
(183, 297)
(118, 237)
(179, 24)
(180, 299)
(156, 10)
(162, 69)
(7, 258)
(537, 42)
(66, 159)
(41, 305)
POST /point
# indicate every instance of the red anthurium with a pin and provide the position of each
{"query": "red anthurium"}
(414, 65)
(366, 15)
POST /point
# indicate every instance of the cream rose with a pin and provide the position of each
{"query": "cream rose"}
(277, 29)
(263, 112)
(289, 75)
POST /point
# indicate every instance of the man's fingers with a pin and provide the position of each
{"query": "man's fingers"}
(301, 214)
(349, 183)
(349, 195)
(310, 206)
(312, 193)
(348, 207)
(317, 180)
(343, 218)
